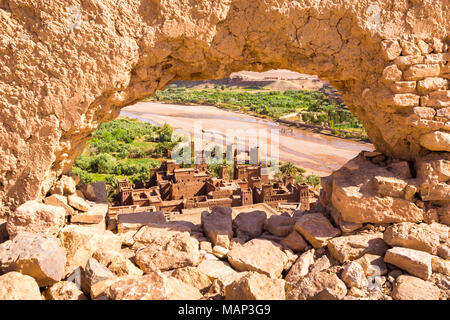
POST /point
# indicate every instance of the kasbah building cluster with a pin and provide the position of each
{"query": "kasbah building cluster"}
(174, 190)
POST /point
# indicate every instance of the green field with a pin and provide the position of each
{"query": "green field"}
(314, 105)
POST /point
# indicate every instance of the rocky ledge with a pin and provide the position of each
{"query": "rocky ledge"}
(62, 249)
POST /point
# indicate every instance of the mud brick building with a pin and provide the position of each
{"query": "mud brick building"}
(172, 189)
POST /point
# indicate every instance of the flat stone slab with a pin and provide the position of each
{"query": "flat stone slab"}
(349, 248)
(414, 236)
(96, 214)
(279, 226)
(412, 288)
(416, 262)
(255, 286)
(316, 229)
(134, 221)
(263, 256)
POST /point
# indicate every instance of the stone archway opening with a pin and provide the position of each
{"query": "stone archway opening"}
(296, 106)
(76, 68)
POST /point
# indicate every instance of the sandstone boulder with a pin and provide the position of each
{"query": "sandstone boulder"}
(390, 186)
(36, 217)
(121, 266)
(95, 215)
(355, 197)
(16, 286)
(413, 236)
(80, 242)
(294, 241)
(174, 250)
(134, 221)
(220, 252)
(179, 290)
(439, 265)
(321, 285)
(301, 266)
(436, 141)
(99, 289)
(105, 256)
(352, 247)
(153, 286)
(316, 229)
(416, 262)
(372, 265)
(280, 226)
(66, 185)
(59, 201)
(443, 251)
(321, 263)
(157, 233)
(64, 290)
(216, 269)
(94, 272)
(217, 225)
(441, 230)
(255, 286)
(412, 288)
(95, 192)
(36, 255)
(78, 203)
(433, 172)
(353, 275)
(249, 225)
(148, 287)
(259, 255)
(194, 276)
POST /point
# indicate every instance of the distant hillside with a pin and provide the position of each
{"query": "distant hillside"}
(279, 80)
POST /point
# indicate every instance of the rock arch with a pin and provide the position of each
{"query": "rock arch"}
(66, 68)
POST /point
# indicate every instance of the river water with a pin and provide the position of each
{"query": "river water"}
(317, 153)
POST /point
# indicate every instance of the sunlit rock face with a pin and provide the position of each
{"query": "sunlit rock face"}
(64, 69)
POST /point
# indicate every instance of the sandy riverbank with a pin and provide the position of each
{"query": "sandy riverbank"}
(318, 154)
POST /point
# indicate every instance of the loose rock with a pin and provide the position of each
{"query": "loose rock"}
(217, 225)
(64, 290)
(412, 288)
(352, 247)
(416, 262)
(413, 236)
(16, 286)
(36, 217)
(316, 229)
(280, 226)
(259, 255)
(36, 255)
(353, 275)
(249, 225)
(255, 286)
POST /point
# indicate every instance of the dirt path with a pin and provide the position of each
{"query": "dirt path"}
(318, 154)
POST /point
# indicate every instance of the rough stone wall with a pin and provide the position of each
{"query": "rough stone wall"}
(66, 66)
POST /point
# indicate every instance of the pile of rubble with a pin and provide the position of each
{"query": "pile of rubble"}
(61, 249)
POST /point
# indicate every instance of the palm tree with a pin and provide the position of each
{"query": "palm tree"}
(289, 169)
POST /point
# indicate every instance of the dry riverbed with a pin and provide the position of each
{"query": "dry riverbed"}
(318, 154)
